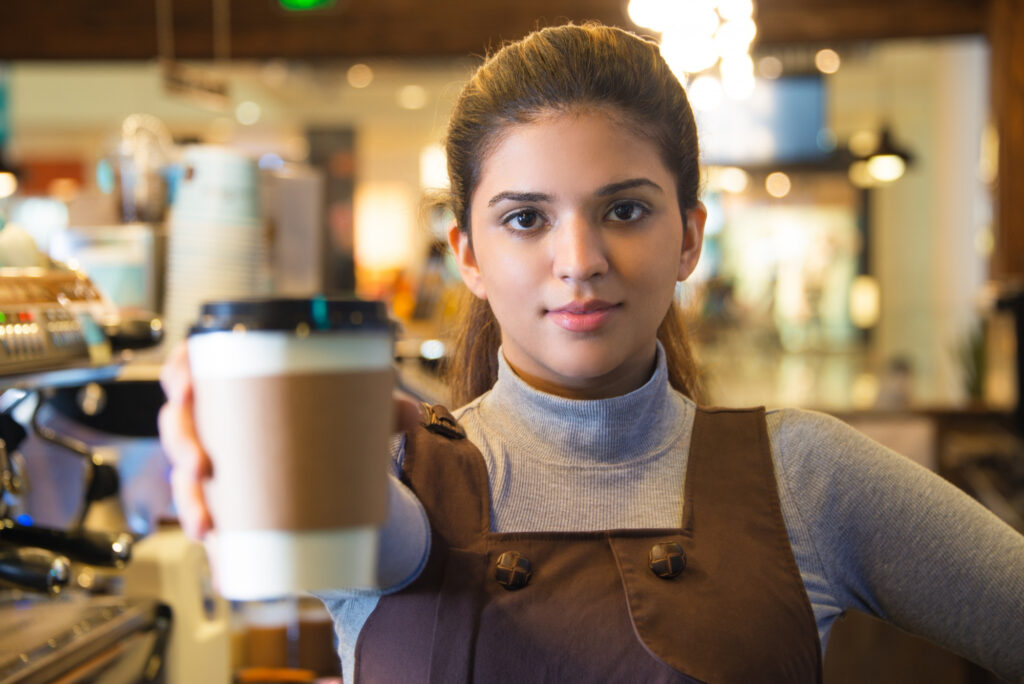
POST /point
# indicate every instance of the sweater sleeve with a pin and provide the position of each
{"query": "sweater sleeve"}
(899, 542)
(403, 540)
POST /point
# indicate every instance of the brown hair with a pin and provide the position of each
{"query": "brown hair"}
(563, 69)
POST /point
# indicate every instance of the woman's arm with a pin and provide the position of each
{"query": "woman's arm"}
(899, 542)
(404, 538)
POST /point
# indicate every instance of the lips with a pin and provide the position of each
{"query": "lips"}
(583, 316)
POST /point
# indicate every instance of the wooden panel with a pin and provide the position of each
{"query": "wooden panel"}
(865, 649)
(62, 29)
(1006, 38)
(795, 21)
(409, 27)
(126, 29)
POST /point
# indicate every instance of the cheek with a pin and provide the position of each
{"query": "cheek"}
(501, 278)
(655, 263)
(509, 267)
(654, 279)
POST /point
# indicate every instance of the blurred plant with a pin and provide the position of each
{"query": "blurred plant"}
(973, 356)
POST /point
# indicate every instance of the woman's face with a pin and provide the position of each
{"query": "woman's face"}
(577, 243)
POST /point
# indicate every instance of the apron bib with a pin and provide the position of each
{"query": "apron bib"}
(719, 599)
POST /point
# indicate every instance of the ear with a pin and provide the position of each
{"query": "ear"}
(466, 261)
(693, 240)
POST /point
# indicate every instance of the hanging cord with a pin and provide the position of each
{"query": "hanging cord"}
(165, 30)
(221, 30)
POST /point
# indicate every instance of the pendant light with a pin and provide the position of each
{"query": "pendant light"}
(889, 161)
(885, 161)
(882, 163)
(8, 177)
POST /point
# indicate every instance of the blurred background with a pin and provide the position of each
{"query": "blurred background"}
(864, 252)
(834, 280)
(831, 277)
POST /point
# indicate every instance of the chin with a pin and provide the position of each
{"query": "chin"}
(583, 367)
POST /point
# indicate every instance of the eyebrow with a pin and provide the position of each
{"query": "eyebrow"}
(519, 197)
(613, 188)
(603, 191)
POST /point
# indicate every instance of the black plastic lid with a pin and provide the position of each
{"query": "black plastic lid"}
(287, 314)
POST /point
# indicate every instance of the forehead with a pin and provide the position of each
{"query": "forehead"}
(570, 151)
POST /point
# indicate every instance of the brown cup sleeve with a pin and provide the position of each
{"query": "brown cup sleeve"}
(297, 451)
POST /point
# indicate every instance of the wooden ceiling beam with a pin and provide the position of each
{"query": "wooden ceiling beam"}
(126, 29)
(821, 21)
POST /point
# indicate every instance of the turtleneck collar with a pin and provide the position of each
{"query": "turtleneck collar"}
(579, 432)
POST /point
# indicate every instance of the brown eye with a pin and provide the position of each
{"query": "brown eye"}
(626, 211)
(524, 220)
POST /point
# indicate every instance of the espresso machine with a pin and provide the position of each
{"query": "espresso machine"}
(57, 331)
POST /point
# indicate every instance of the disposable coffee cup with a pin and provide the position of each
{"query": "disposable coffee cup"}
(293, 404)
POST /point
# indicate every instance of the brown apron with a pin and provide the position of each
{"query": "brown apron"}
(593, 608)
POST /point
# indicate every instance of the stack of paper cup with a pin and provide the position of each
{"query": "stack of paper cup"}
(217, 243)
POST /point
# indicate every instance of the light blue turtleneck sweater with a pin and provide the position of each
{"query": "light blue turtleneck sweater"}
(870, 529)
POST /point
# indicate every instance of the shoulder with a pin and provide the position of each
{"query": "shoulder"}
(794, 427)
(468, 416)
(818, 455)
(400, 441)
(800, 437)
(469, 410)
(827, 464)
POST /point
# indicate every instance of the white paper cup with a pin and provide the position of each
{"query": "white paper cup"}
(220, 185)
(293, 404)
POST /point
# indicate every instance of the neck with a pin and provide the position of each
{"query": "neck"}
(611, 430)
(618, 382)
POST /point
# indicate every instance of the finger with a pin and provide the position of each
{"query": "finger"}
(190, 503)
(168, 423)
(175, 375)
(180, 438)
(189, 467)
(408, 413)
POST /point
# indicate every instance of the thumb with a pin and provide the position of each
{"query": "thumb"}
(408, 413)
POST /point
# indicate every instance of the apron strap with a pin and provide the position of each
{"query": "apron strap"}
(462, 506)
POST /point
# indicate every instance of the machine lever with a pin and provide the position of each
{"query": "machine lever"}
(82, 546)
(34, 569)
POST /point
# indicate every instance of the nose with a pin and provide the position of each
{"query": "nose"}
(578, 250)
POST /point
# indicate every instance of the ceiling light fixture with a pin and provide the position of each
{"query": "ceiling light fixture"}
(889, 161)
(703, 39)
(8, 177)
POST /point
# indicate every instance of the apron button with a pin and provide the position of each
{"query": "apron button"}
(513, 570)
(667, 560)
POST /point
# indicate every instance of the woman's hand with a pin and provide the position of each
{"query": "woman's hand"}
(190, 465)
(408, 412)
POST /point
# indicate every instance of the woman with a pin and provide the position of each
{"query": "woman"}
(596, 525)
